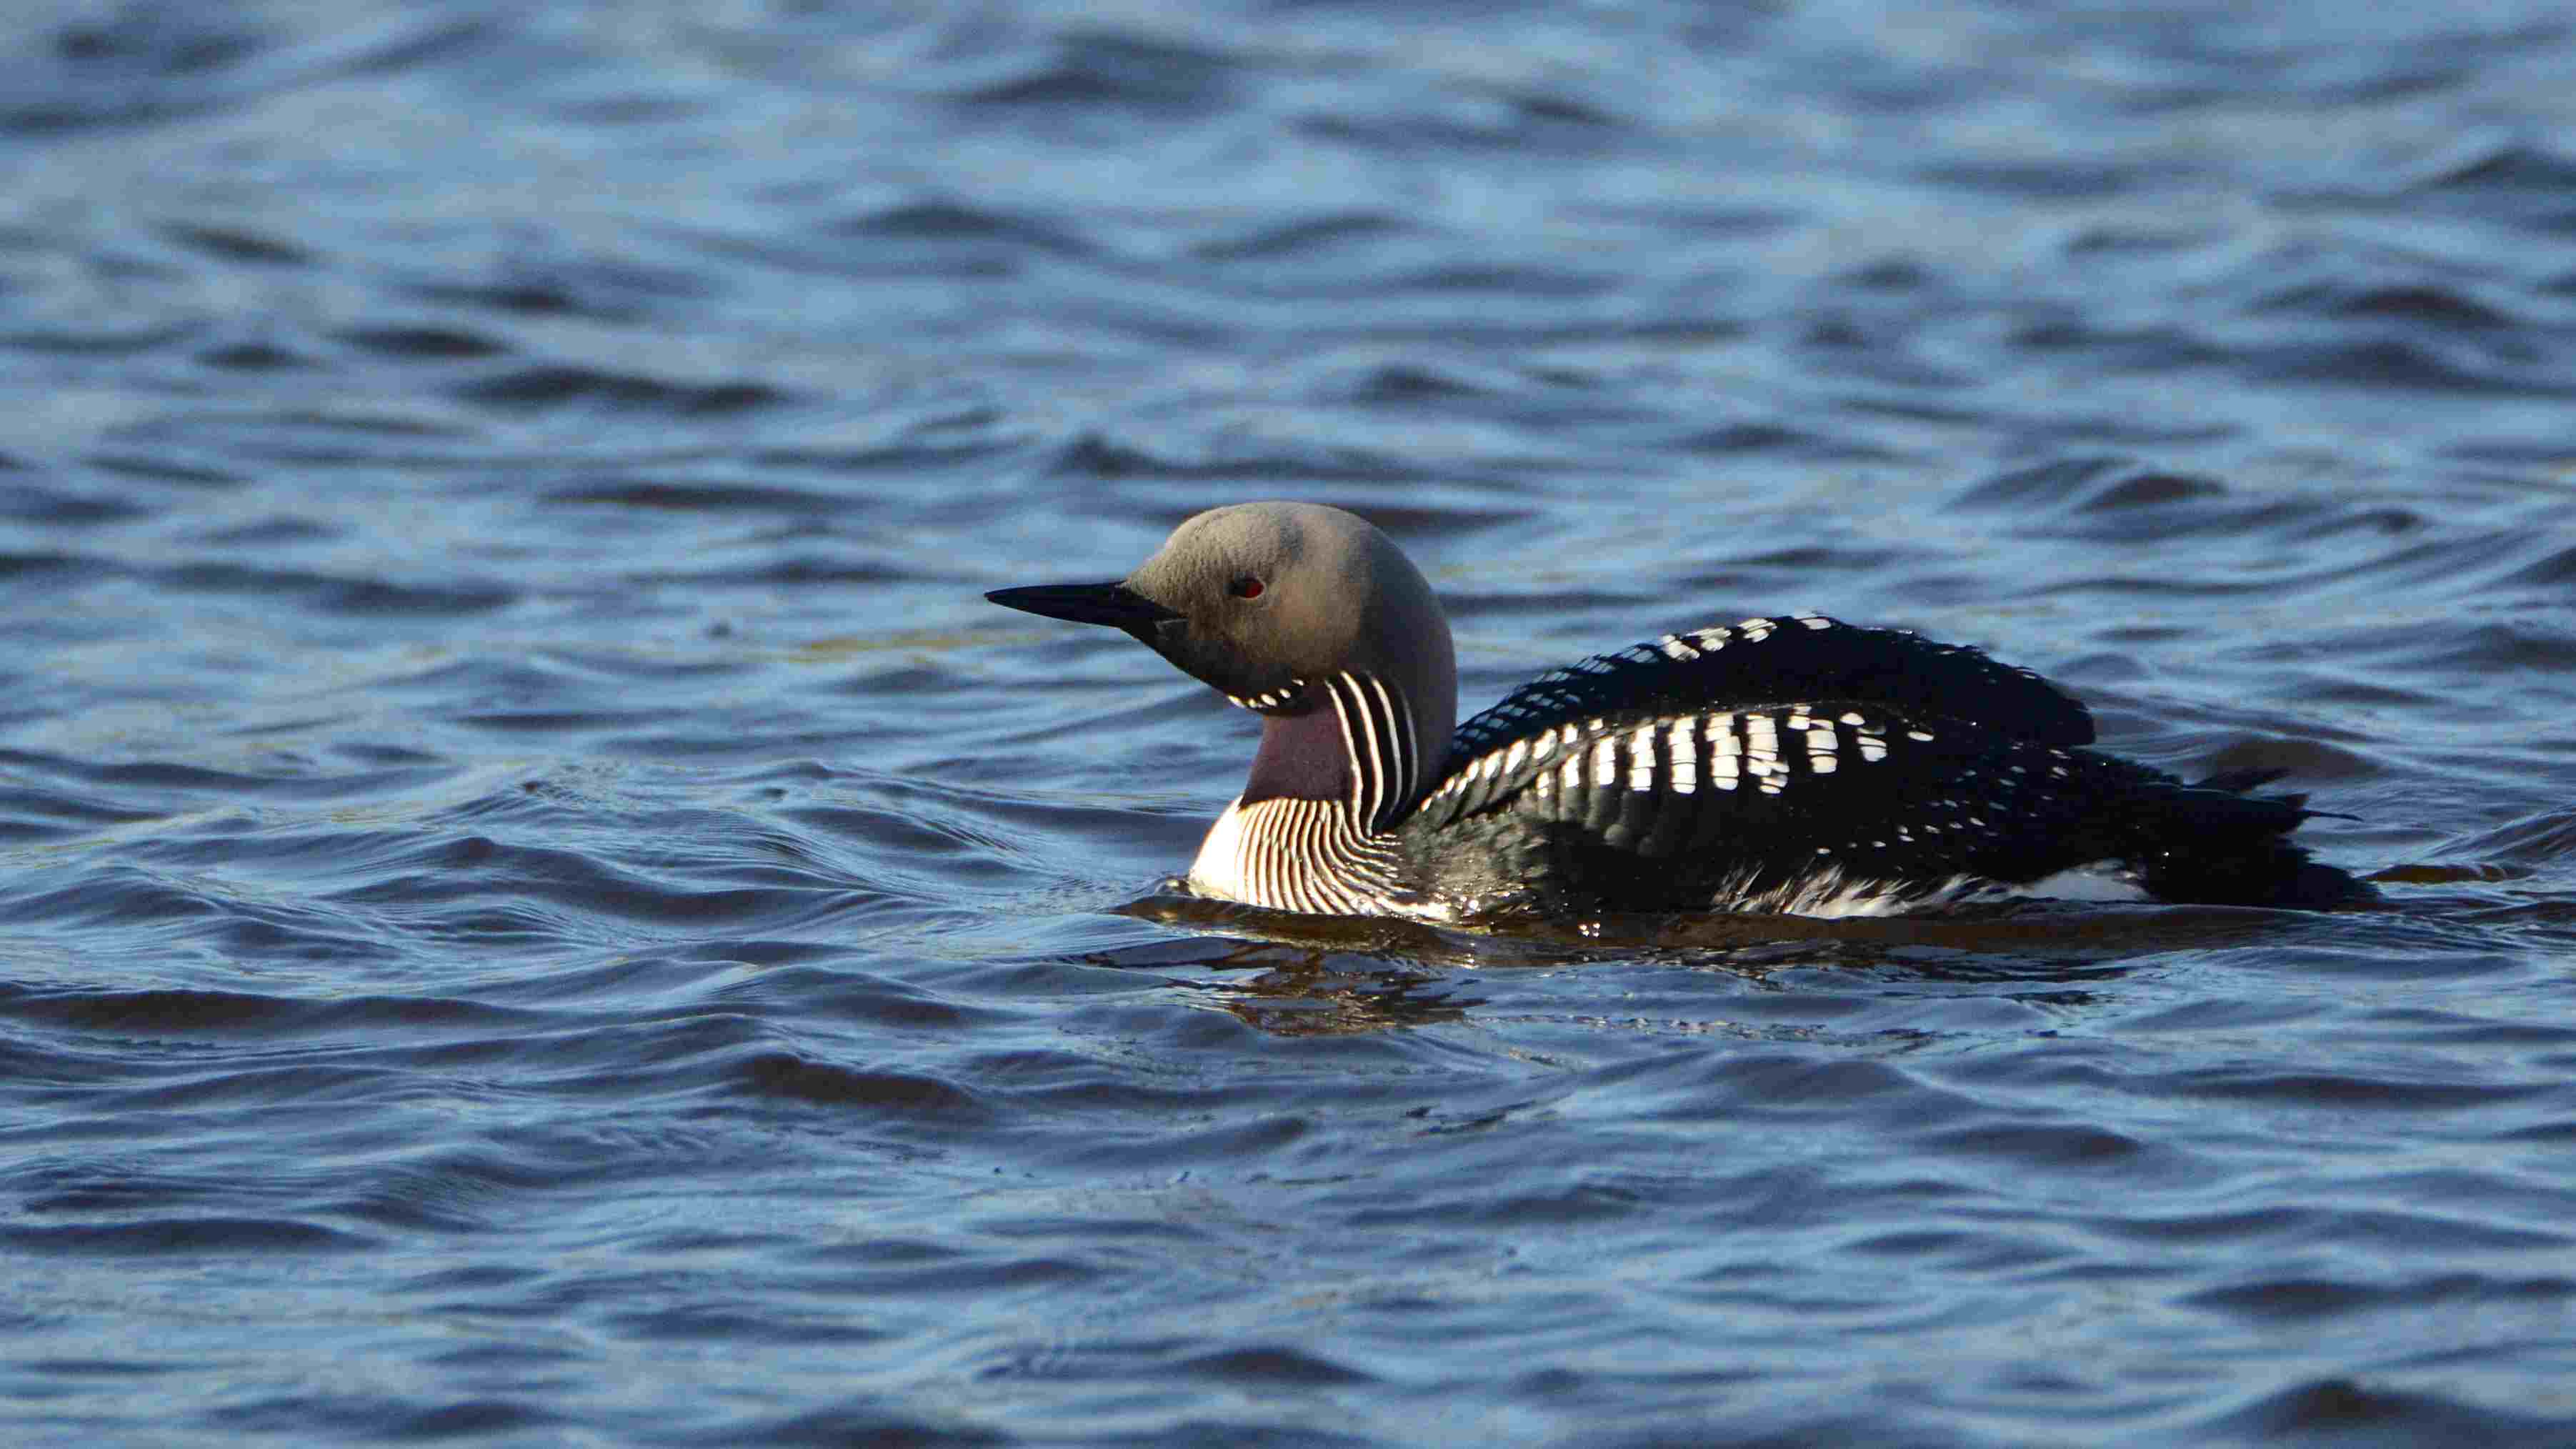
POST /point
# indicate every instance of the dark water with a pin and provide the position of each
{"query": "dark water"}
(538, 906)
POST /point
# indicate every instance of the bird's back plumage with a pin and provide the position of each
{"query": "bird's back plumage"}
(1805, 765)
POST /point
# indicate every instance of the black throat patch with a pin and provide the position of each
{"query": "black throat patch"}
(1302, 757)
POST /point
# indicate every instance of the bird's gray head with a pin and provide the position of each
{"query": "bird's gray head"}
(1264, 600)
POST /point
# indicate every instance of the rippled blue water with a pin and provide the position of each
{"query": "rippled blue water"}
(538, 905)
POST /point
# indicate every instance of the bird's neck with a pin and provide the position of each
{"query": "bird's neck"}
(1313, 829)
(1358, 749)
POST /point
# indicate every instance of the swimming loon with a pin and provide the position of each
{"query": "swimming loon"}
(1794, 764)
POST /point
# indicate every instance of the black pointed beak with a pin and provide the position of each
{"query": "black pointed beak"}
(1113, 604)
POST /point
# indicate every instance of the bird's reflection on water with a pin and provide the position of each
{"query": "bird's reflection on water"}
(1310, 975)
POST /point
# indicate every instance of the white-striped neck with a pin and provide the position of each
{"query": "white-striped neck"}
(1312, 829)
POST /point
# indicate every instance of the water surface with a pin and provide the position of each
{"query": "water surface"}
(538, 905)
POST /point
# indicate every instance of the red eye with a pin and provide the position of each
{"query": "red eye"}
(1246, 587)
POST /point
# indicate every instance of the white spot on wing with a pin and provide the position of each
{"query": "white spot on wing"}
(1641, 759)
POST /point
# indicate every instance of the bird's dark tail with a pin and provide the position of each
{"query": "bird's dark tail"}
(2214, 844)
